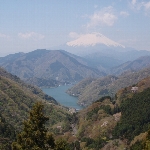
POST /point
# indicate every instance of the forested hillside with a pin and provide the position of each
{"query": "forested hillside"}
(135, 115)
(7, 134)
(89, 92)
(119, 122)
(16, 100)
(110, 122)
(54, 66)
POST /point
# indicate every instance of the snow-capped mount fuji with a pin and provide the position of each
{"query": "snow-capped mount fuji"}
(92, 39)
(102, 51)
(85, 44)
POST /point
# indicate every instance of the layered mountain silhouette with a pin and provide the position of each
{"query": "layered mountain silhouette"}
(138, 64)
(48, 65)
(97, 56)
(89, 90)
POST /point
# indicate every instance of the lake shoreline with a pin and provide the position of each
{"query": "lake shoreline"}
(60, 95)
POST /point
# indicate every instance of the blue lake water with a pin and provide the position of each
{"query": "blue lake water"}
(59, 93)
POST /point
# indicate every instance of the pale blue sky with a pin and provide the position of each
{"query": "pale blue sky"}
(26, 25)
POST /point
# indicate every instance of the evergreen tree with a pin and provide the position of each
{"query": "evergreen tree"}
(61, 145)
(34, 135)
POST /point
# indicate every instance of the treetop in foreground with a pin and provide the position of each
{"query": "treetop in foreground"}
(35, 136)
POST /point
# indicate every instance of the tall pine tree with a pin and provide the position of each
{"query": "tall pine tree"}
(34, 135)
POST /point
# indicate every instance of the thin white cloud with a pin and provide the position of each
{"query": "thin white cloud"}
(141, 5)
(147, 5)
(135, 5)
(133, 2)
(124, 13)
(31, 35)
(73, 35)
(103, 17)
(4, 36)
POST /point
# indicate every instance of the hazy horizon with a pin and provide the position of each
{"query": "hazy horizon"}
(29, 25)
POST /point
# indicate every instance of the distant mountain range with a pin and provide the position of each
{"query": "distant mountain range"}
(102, 52)
(109, 58)
(97, 56)
(138, 64)
(51, 68)
(49, 65)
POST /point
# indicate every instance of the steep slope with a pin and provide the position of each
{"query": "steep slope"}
(33, 90)
(95, 124)
(92, 126)
(40, 82)
(45, 64)
(17, 98)
(134, 109)
(78, 88)
(114, 123)
(105, 86)
(7, 134)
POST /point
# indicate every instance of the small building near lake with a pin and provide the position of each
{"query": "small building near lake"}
(72, 110)
(134, 89)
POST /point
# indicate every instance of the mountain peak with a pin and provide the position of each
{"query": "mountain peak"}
(92, 39)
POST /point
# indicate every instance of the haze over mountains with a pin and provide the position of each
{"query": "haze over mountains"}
(56, 65)
(99, 56)
(135, 65)
(102, 51)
